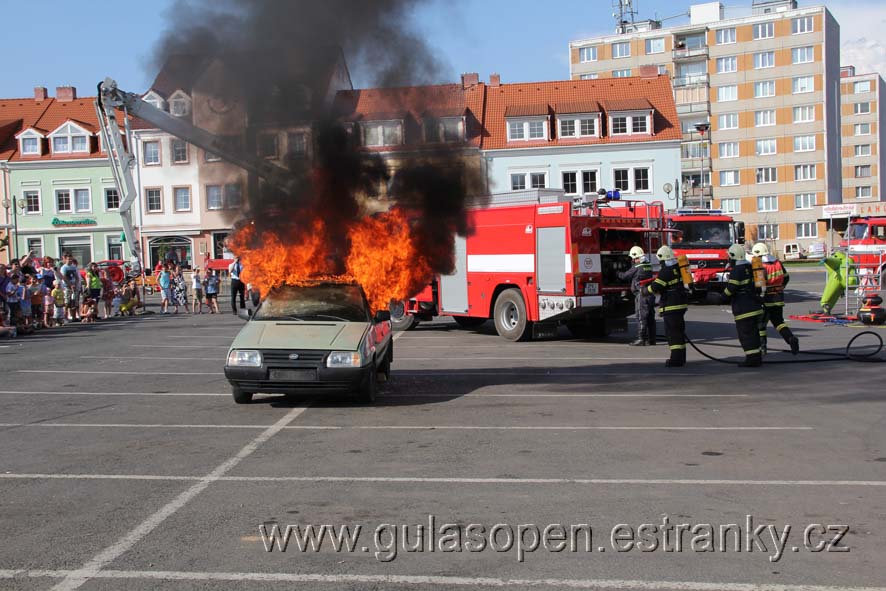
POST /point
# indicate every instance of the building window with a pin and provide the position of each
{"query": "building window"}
(61, 144)
(214, 198)
(862, 108)
(802, 55)
(804, 114)
(727, 93)
(802, 84)
(536, 130)
(112, 199)
(233, 195)
(693, 150)
(153, 200)
(726, 36)
(587, 54)
(151, 153)
(35, 245)
(862, 129)
(729, 178)
(638, 124)
(641, 179)
(766, 174)
(764, 30)
(767, 231)
(728, 150)
(621, 73)
(766, 147)
(619, 125)
(863, 192)
(663, 69)
(804, 143)
(728, 121)
(807, 230)
(567, 127)
(388, 133)
(32, 202)
(79, 143)
(515, 130)
(451, 129)
(861, 87)
(182, 198)
(767, 203)
(538, 180)
(655, 45)
(621, 179)
(589, 182)
(179, 151)
(764, 88)
(804, 201)
(863, 171)
(518, 182)
(63, 201)
(178, 107)
(527, 130)
(267, 145)
(592, 76)
(764, 59)
(863, 150)
(297, 143)
(570, 183)
(621, 49)
(730, 205)
(30, 146)
(804, 172)
(801, 25)
(728, 64)
(82, 200)
(764, 118)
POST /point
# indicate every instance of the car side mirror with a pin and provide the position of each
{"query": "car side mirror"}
(382, 316)
(244, 313)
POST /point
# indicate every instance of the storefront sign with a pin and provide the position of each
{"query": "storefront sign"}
(872, 209)
(839, 211)
(74, 223)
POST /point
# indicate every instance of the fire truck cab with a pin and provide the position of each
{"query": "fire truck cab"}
(705, 236)
(537, 259)
(865, 241)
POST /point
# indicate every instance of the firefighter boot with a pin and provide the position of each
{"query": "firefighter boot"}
(638, 342)
(790, 339)
(754, 360)
(678, 358)
(652, 339)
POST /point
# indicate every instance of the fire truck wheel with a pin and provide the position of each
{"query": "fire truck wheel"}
(510, 316)
(400, 319)
(469, 321)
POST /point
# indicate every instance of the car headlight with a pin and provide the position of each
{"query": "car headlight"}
(344, 359)
(244, 358)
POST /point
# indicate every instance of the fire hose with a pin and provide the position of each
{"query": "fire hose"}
(823, 356)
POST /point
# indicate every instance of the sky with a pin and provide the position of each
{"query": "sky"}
(60, 42)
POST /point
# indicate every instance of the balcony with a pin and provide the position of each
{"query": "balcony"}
(690, 80)
(695, 151)
(687, 53)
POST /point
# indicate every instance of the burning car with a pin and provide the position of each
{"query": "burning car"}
(311, 336)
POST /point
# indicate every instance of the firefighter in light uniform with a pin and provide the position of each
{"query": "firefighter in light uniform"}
(673, 302)
(640, 276)
(773, 299)
(747, 307)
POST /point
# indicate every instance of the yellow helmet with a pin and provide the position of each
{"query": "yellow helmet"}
(665, 253)
(760, 250)
(636, 252)
(737, 252)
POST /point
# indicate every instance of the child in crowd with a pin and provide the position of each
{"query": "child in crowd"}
(107, 292)
(88, 311)
(35, 293)
(48, 304)
(24, 303)
(197, 287)
(13, 299)
(58, 303)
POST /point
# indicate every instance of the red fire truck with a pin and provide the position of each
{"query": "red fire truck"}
(537, 259)
(704, 237)
(865, 241)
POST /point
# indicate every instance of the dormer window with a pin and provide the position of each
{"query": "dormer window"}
(155, 100)
(31, 146)
(527, 129)
(382, 133)
(444, 130)
(578, 125)
(179, 104)
(636, 123)
(70, 138)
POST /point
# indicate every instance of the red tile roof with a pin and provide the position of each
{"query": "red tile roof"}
(636, 104)
(578, 107)
(179, 73)
(656, 91)
(526, 110)
(26, 111)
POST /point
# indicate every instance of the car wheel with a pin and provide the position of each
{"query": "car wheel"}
(369, 388)
(241, 396)
(510, 316)
(400, 319)
(469, 321)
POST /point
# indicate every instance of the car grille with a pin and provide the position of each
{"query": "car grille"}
(279, 358)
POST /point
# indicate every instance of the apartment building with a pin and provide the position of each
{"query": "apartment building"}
(863, 136)
(758, 102)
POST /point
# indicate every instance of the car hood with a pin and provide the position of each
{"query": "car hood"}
(267, 334)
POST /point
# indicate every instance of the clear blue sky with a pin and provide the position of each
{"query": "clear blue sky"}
(58, 42)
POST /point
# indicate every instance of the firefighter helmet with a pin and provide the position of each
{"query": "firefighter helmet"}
(636, 252)
(737, 252)
(665, 254)
(760, 250)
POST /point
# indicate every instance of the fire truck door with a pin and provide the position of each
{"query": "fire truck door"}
(454, 288)
(551, 259)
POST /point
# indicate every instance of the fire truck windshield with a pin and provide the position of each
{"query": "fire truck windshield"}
(857, 232)
(701, 234)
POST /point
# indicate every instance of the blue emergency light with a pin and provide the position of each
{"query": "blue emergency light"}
(613, 195)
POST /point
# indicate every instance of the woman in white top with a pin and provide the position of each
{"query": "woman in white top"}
(197, 286)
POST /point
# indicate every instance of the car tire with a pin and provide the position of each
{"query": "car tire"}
(469, 321)
(510, 318)
(241, 396)
(367, 391)
(400, 319)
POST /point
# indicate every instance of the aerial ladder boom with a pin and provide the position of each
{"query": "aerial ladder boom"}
(110, 98)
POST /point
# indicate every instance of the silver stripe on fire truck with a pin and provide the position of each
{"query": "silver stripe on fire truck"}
(703, 255)
(872, 248)
(501, 263)
(585, 301)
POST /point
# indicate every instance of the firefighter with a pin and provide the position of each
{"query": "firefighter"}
(640, 276)
(747, 307)
(673, 302)
(773, 299)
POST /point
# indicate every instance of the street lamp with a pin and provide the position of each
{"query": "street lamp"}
(685, 190)
(15, 205)
(702, 129)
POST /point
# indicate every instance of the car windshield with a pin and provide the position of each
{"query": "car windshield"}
(704, 234)
(857, 232)
(338, 302)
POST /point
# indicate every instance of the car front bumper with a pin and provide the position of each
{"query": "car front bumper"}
(258, 379)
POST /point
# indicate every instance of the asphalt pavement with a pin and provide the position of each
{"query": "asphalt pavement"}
(127, 465)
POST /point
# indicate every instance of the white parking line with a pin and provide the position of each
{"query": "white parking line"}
(383, 396)
(433, 580)
(115, 550)
(557, 358)
(409, 427)
(127, 373)
(67, 393)
(178, 346)
(103, 358)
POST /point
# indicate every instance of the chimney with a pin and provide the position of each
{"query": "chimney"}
(494, 80)
(648, 71)
(65, 94)
(40, 93)
(470, 79)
